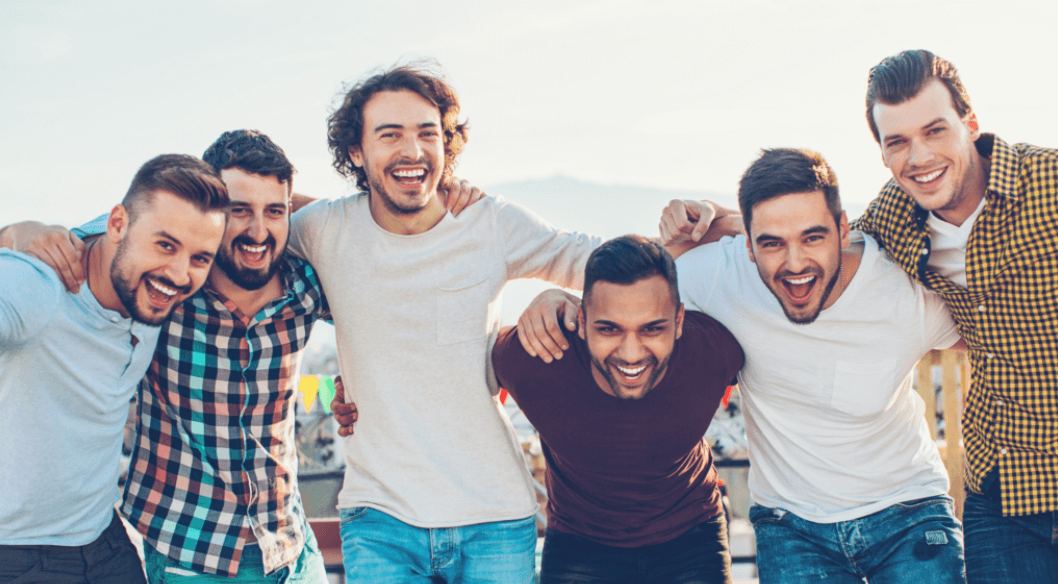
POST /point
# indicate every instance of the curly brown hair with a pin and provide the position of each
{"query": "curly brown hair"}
(345, 126)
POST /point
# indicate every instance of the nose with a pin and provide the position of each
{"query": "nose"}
(256, 229)
(631, 349)
(796, 259)
(178, 270)
(410, 148)
(920, 153)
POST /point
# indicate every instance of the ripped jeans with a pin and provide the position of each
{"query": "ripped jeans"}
(911, 542)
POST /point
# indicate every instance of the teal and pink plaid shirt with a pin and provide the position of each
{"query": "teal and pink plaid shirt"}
(214, 456)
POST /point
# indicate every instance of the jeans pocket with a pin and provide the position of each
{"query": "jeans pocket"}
(758, 514)
(351, 514)
(944, 500)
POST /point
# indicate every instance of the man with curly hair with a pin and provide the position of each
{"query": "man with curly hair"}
(436, 486)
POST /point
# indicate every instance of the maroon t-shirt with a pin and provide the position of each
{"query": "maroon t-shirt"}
(625, 473)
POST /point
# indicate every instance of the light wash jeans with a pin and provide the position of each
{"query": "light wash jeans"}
(308, 569)
(377, 547)
(913, 542)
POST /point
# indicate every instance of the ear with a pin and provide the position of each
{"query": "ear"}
(679, 321)
(749, 248)
(884, 160)
(843, 230)
(117, 223)
(581, 321)
(356, 156)
(975, 128)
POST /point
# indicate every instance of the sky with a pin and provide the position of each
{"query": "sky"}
(668, 95)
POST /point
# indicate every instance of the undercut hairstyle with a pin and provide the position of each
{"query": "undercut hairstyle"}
(900, 77)
(785, 171)
(182, 175)
(345, 127)
(627, 260)
(252, 152)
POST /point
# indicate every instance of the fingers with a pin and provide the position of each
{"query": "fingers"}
(540, 326)
(706, 216)
(461, 194)
(677, 222)
(345, 414)
(60, 249)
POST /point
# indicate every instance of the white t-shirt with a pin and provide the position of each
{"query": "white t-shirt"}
(415, 319)
(948, 244)
(835, 430)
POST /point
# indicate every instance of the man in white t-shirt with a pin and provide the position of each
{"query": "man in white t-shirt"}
(847, 482)
(436, 485)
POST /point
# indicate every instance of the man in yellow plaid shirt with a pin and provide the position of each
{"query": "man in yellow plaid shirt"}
(976, 220)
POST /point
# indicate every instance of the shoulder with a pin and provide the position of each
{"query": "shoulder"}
(704, 335)
(516, 368)
(29, 287)
(320, 212)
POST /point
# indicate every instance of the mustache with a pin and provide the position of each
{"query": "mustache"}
(788, 274)
(169, 284)
(422, 161)
(246, 240)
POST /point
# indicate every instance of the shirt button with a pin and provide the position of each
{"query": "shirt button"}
(925, 251)
(981, 308)
(1002, 450)
(114, 319)
(989, 355)
(999, 402)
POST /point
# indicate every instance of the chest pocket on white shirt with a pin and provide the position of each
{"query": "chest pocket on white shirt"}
(462, 311)
(864, 388)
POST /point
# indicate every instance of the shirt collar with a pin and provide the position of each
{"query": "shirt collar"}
(1003, 170)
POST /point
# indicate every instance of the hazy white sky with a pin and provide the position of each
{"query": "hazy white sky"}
(655, 93)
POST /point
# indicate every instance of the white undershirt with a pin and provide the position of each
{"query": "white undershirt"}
(948, 242)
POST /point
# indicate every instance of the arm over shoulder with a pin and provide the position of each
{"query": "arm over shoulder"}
(30, 293)
(536, 249)
(306, 225)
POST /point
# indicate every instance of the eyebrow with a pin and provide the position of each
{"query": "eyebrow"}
(615, 325)
(381, 127)
(816, 229)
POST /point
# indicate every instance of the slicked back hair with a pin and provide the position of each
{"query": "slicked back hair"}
(345, 127)
(252, 152)
(785, 171)
(627, 260)
(900, 77)
(184, 176)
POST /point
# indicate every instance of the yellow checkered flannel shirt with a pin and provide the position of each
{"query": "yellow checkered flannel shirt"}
(1008, 316)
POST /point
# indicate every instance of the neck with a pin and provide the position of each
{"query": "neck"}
(975, 191)
(413, 223)
(97, 264)
(249, 302)
(850, 263)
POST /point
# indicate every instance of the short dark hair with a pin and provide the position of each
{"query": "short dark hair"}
(184, 176)
(784, 171)
(345, 127)
(627, 260)
(900, 77)
(252, 152)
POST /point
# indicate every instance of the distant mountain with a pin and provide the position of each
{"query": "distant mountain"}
(603, 210)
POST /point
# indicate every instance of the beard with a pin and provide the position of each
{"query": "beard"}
(809, 319)
(126, 290)
(659, 369)
(249, 278)
(389, 201)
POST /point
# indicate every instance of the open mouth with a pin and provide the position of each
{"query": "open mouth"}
(930, 178)
(253, 255)
(799, 288)
(409, 176)
(159, 294)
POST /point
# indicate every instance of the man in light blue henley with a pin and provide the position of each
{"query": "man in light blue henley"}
(69, 364)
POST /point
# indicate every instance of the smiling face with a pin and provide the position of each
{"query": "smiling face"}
(258, 227)
(931, 152)
(631, 331)
(797, 245)
(402, 151)
(164, 256)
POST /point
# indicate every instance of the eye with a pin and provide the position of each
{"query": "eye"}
(654, 330)
(813, 238)
(201, 260)
(239, 211)
(165, 245)
(935, 131)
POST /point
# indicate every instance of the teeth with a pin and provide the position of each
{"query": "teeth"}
(802, 280)
(254, 248)
(410, 173)
(163, 289)
(928, 177)
(631, 372)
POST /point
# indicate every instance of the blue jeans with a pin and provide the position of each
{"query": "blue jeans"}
(307, 569)
(911, 542)
(698, 556)
(379, 548)
(1009, 549)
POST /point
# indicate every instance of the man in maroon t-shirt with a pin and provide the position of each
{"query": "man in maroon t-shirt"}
(632, 489)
